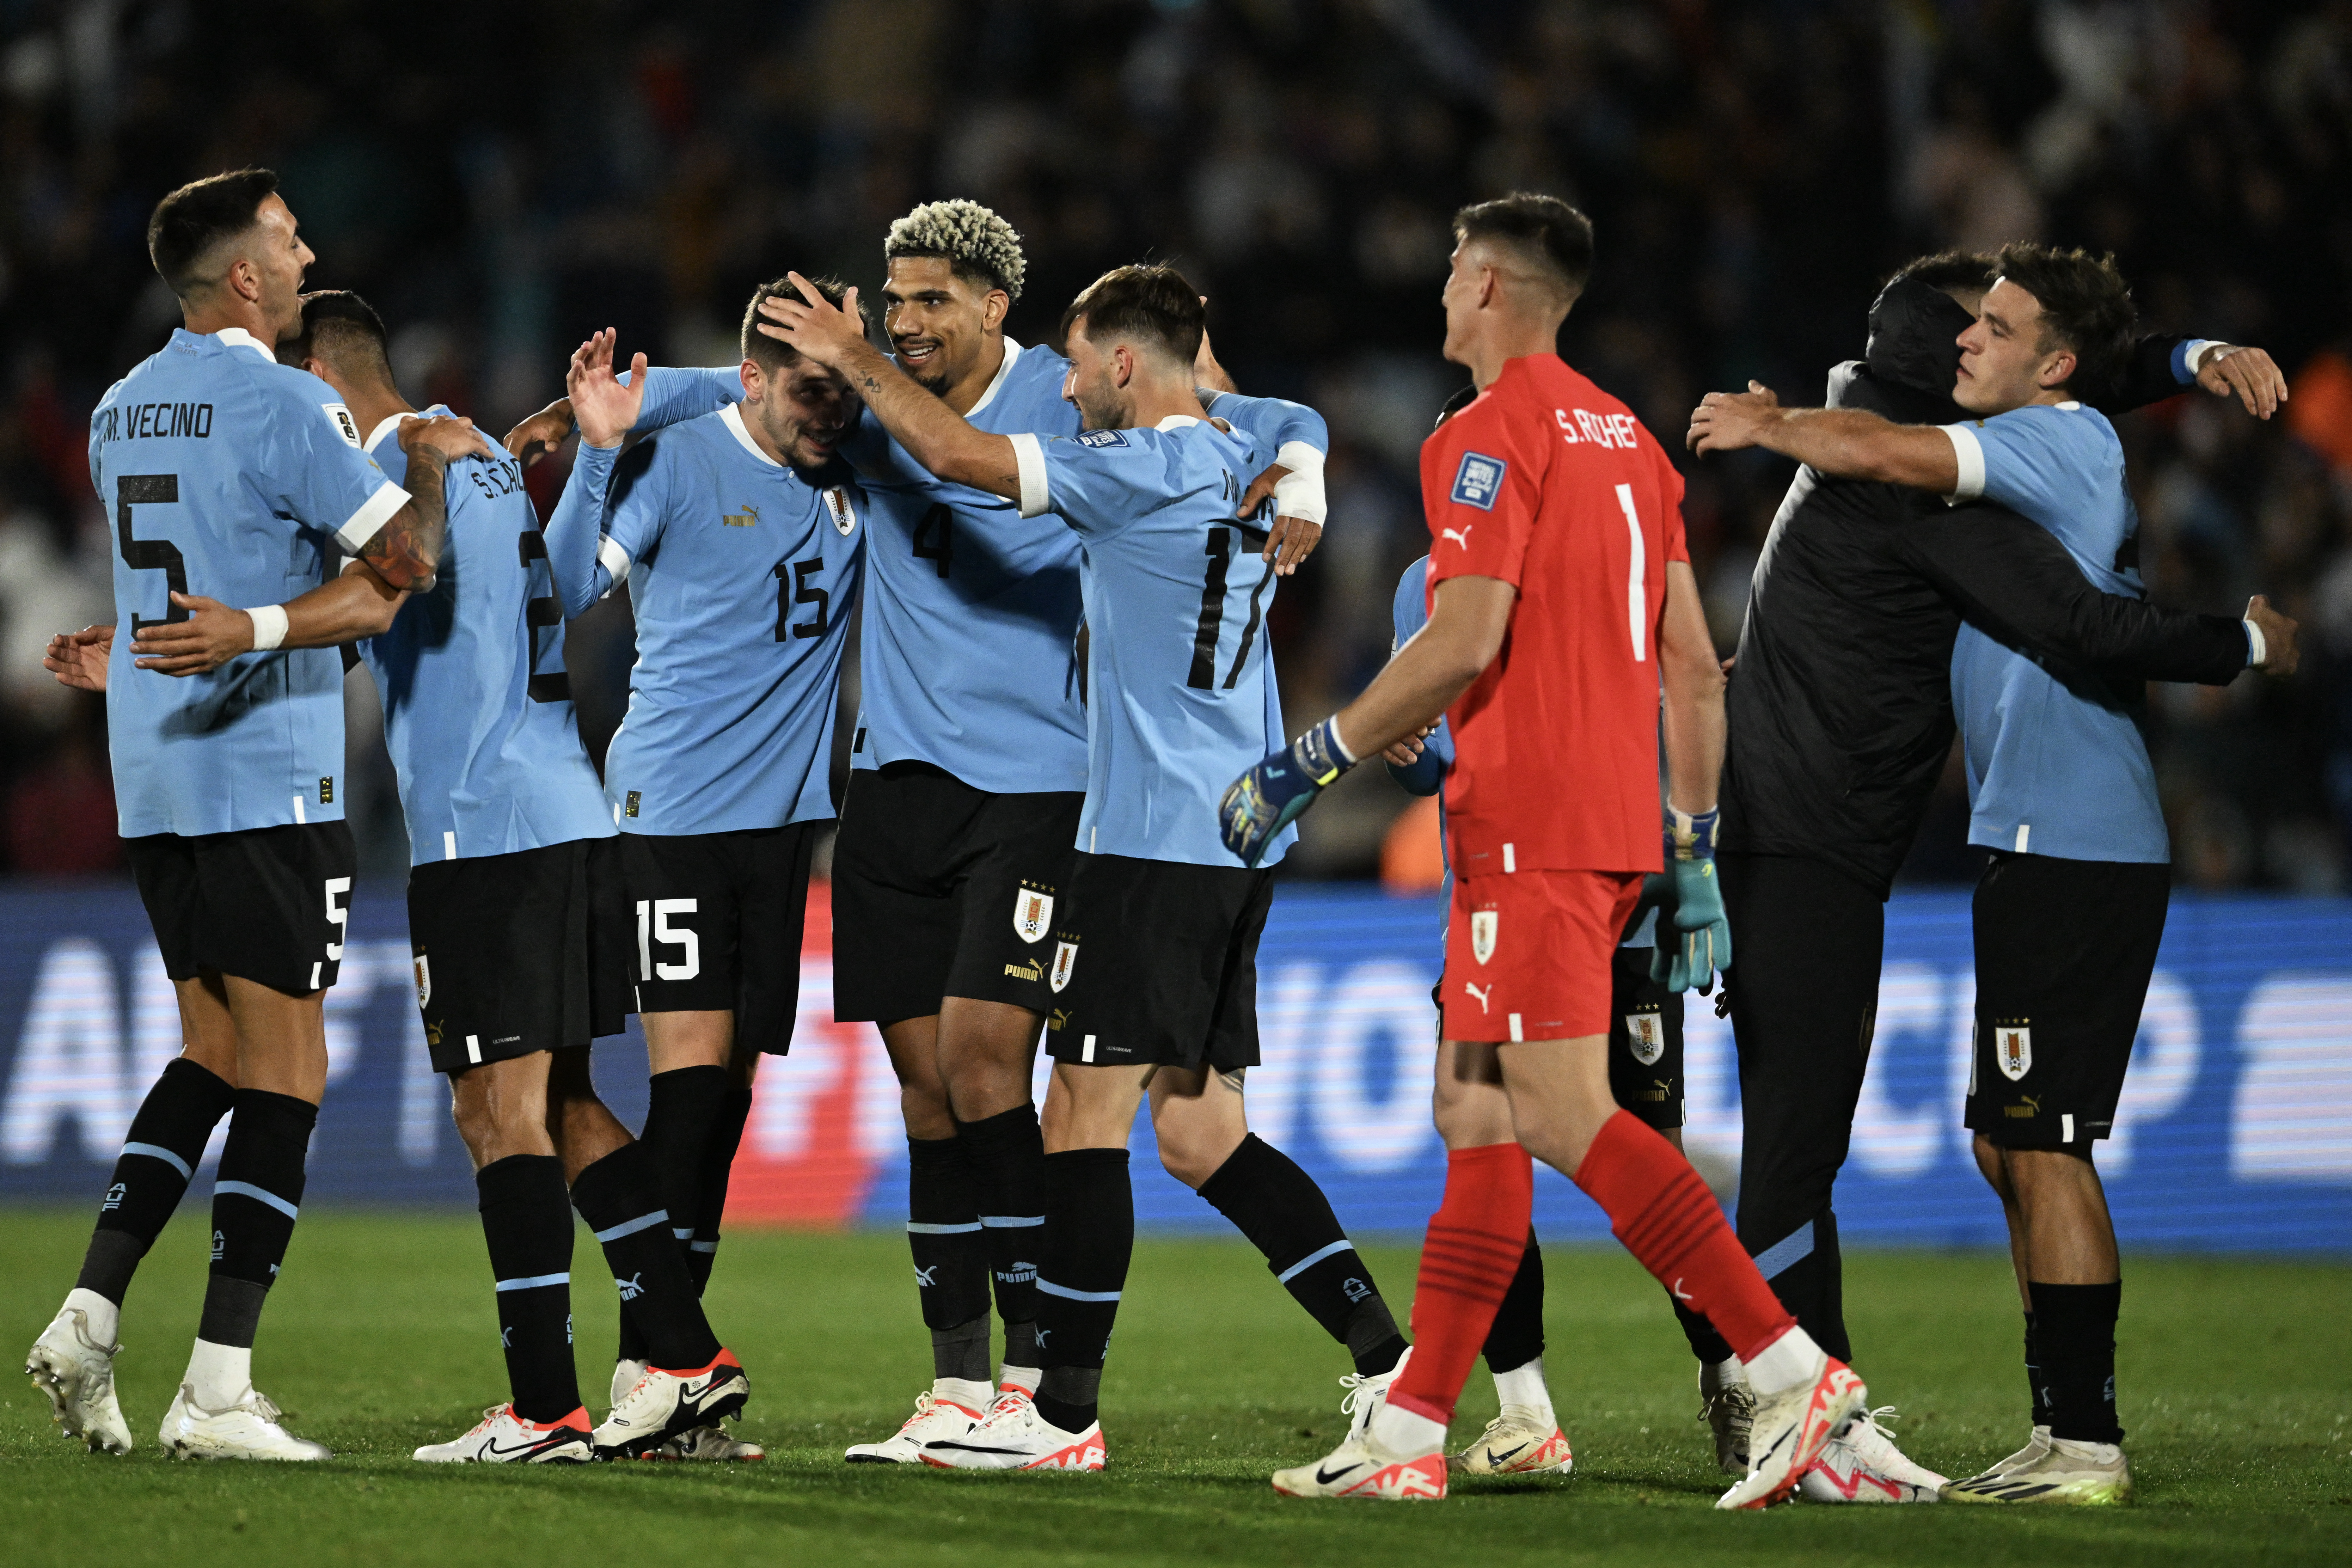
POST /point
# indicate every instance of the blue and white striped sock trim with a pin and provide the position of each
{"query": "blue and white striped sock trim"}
(710, 1245)
(247, 1190)
(917, 1227)
(1067, 1294)
(157, 1151)
(1790, 1250)
(631, 1226)
(536, 1281)
(1011, 1221)
(1312, 1258)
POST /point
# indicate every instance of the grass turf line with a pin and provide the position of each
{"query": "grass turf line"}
(382, 1335)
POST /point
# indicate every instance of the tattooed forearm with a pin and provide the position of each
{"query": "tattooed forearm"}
(407, 551)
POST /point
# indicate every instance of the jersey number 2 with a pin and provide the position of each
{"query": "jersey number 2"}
(151, 554)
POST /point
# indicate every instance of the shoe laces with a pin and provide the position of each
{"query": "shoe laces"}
(1361, 1391)
(923, 1403)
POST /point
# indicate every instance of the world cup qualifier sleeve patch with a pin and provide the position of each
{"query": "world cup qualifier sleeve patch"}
(1478, 481)
(1102, 439)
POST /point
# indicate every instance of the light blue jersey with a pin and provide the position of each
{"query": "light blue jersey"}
(476, 707)
(2052, 771)
(1179, 679)
(228, 474)
(741, 573)
(968, 658)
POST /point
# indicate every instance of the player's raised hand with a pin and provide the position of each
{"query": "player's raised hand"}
(2280, 655)
(814, 325)
(1275, 793)
(2248, 374)
(212, 634)
(1291, 539)
(605, 409)
(540, 432)
(1727, 421)
(78, 658)
(448, 434)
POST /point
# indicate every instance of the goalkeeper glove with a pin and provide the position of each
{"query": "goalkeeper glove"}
(1270, 797)
(1699, 942)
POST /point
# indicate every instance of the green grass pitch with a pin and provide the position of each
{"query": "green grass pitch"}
(2236, 1381)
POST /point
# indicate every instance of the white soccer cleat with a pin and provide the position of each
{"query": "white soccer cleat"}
(710, 1445)
(2037, 1445)
(1365, 1396)
(1789, 1430)
(78, 1375)
(934, 1419)
(1519, 1442)
(1362, 1469)
(1729, 1408)
(624, 1378)
(503, 1438)
(1013, 1437)
(1860, 1463)
(662, 1404)
(245, 1430)
(2082, 1475)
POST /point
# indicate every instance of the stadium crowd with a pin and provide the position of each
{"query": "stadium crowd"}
(1753, 173)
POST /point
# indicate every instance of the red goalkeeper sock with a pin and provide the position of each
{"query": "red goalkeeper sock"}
(1475, 1240)
(1665, 1216)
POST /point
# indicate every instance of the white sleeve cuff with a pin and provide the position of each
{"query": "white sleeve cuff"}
(1029, 458)
(2258, 647)
(374, 513)
(1299, 493)
(269, 626)
(614, 560)
(1969, 453)
(2193, 355)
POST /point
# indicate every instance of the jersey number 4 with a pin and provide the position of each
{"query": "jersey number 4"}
(151, 554)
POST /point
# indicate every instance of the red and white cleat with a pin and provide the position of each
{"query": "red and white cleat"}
(1860, 1463)
(1519, 1442)
(664, 1403)
(1013, 1437)
(1361, 1468)
(934, 1418)
(503, 1438)
(1789, 1430)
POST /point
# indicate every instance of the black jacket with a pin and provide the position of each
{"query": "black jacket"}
(1840, 705)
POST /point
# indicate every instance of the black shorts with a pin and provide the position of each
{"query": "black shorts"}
(520, 952)
(1155, 962)
(267, 904)
(940, 890)
(2065, 950)
(718, 919)
(1645, 1041)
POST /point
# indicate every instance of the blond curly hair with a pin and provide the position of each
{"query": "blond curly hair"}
(972, 239)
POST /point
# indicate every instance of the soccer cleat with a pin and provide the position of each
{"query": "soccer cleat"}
(1360, 1467)
(934, 1417)
(1729, 1408)
(2037, 1445)
(626, 1374)
(1789, 1431)
(503, 1438)
(1013, 1437)
(1860, 1463)
(662, 1404)
(78, 1375)
(2082, 1475)
(710, 1445)
(1365, 1394)
(245, 1430)
(1520, 1441)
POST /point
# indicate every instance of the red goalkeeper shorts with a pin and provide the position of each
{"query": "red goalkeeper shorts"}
(1528, 953)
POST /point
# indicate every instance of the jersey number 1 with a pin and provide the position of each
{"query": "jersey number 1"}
(1637, 597)
(151, 554)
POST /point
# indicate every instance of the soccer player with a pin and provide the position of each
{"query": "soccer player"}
(1562, 601)
(521, 931)
(740, 539)
(967, 774)
(2070, 909)
(1155, 938)
(229, 478)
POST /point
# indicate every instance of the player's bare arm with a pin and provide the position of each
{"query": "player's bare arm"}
(1692, 719)
(1847, 443)
(2280, 655)
(78, 658)
(933, 434)
(1464, 633)
(2249, 375)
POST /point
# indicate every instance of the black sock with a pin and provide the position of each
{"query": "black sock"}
(255, 1203)
(682, 1106)
(718, 1166)
(616, 1196)
(158, 1160)
(1089, 1239)
(1704, 1343)
(1810, 1285)
(1286, 1216)
(1007, 1155)
(527, 1221)
(1516, 1337)
(2033, 1376)
(951, 1256)
(2074, 1335)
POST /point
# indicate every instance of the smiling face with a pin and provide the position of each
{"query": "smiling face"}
(1093, 385)
(2004, 363)
(939, 323)
(798, 410)
(278, 258)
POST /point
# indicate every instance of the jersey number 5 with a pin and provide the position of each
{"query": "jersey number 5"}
(151, 554)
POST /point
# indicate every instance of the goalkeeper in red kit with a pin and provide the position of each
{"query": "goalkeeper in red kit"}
(1561, 600)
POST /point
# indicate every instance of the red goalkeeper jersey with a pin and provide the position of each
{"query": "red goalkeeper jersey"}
(1549, 484)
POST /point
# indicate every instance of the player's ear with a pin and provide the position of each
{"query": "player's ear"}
(752, 380)
(2057, 368)
(992, 308)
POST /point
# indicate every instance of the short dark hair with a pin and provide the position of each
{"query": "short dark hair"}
(1551, 236)
(2087, 307)
(339, 327)
(187, 224)
(1948, 270)
(773, 354)
(1141, 304)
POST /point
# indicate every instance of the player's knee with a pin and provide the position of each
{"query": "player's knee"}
(1193, 1159)
(925, 1107)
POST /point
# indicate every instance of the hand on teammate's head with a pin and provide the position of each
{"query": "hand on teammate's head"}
(450, 434)
(814, 325)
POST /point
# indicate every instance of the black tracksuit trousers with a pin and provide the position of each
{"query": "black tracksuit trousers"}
(1806, 942)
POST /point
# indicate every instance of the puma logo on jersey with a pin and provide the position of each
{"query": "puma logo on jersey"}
(1460, 536)
(748, 517)
(1482, 995)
